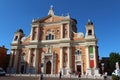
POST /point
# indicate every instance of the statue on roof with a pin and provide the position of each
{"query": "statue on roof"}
(51, 11)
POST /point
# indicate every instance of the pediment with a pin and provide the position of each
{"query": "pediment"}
(50, 18)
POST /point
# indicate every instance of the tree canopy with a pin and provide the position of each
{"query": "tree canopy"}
(113, 58)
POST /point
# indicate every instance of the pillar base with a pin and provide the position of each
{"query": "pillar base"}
(96, 71)
(93, 72)
(69, 71)
(89, 72)
(31, 71)
(11, 70)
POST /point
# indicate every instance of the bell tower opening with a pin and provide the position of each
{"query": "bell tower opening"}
(89, 32)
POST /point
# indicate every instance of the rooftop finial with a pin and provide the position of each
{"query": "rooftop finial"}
(89, 20)
(68, 15)
(33, 20)
(51, 7)
(51, 11)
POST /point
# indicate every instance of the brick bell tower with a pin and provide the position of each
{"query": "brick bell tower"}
(91, 50)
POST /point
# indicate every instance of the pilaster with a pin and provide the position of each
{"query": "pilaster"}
(61, 31)
(29, 60)
(37, 33)
(87, 58)
(95, 60)
(11, 58)
(36, 59)
(43, 63)
(16, 59)
(61, 59)
(69, 60)
(31, 34)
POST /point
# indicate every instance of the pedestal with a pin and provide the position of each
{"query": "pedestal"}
(96, 72)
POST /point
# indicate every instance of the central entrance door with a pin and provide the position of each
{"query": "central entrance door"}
(78, 68)
(22, 69)
(48, 67)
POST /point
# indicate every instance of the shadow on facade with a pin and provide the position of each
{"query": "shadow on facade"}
(22, 67)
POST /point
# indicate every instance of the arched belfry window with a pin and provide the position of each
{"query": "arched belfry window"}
(49, 35)
(89, 32)
(16, 37)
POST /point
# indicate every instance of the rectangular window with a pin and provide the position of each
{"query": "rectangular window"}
(91, 50)
(52, 37)
(46, 37)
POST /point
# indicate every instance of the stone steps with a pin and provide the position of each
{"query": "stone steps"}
(38, 78)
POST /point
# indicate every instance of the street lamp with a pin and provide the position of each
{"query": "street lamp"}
(102, 68)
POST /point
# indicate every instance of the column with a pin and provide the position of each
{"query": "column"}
(95, 61)
(37, 34)
(31, 34)
(87, 57)
(36, 59)
(16, 60)
(69, 60)
(53, 64)
(96, 70)
(69, 30)
(82, 63)
(29, 60)
(61, 59)
(43, 62)
(11, 58)
(61, 31)
(52, 61)
(34, 53)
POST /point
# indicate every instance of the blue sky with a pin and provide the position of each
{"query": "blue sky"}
(105, 14)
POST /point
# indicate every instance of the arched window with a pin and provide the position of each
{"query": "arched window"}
(78, 52)
(49, 35)
(16, 37)
(89, 32)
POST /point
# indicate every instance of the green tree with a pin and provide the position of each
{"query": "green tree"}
(113, 58)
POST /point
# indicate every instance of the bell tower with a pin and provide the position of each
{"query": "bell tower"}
(18, 36)
(90, 30)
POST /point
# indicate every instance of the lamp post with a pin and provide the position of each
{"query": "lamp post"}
(102, 68)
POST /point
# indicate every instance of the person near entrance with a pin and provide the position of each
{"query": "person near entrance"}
(60, 74)
(41, 75)
(41, 78)
(79, 75)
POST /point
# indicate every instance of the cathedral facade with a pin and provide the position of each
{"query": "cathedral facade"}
(54, 45)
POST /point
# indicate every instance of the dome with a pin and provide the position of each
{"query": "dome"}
(20, 30)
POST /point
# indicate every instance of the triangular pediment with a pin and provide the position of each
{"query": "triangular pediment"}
(50, 18)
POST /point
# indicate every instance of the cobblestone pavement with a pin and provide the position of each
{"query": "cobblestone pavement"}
(37, 78)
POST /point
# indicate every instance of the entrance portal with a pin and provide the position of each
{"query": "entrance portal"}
(79, 68)
(48, 67)
(22, 69)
